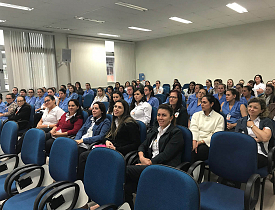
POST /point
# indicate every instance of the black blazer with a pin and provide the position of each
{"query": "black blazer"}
(23, 114)
(127, 138)
(182, 118)
(171, 145)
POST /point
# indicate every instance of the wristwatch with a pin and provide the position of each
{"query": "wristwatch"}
(252, 126)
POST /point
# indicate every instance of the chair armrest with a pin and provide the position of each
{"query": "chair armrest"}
(8, 165)
(133, 158)
(19, 174)
(184, 166)
(94, 143)
(107, 206)
(45, 190)
(129, 155)
(271, 160)
(56, 202)
(252, 192)
(196, 166)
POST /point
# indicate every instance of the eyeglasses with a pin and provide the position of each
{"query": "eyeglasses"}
(173, 97)
(47, 101)
(20, 101)
(8, 98)
(30, 92)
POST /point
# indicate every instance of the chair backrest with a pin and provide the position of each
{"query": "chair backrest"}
(9, 137)
(110, 117)
(153, 115)
(154, 85)
(185, 86)
(33, 147)
(1, 125)
(85, 116)
(88, 100)
(63, 159)
(142, 131)
(80, 100)
(188, 143)
(161, 98)
(104, 176)
(31, 121)
(233, 156)
(163, 187)
(106, 105)
(183, 103)
(225, 121)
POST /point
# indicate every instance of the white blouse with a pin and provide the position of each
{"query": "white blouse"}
(142, 112)
(159, 91)
(257, 87)
(52, 117)
(100, 99)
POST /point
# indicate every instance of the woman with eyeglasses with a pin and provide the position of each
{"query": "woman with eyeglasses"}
(30, 99)
(10, 107)
(180, 112)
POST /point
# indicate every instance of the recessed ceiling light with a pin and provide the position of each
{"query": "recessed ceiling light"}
(15, 6)
(88, 19)
(131, 6)
(238, 8)
(140, 29)
(180, 20)
(2, 21)
(59, 28)
(112, 35)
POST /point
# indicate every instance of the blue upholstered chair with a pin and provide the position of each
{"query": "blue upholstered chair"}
(106, 105)
(153, 116)
(161, 98)
(166, 88)
(233, 157)
(110, 117)
(62, 169)
(32, 154)
(185, 86)
(162, 187)
(142, 131)
(85, 116)
(88, 100)
(80, 99)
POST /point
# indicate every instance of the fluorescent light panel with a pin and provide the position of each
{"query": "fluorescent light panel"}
(140, 29)
(2, 21)
(59, 28)
(131, 6)
(112, 35)
(15, 6)
(180, 20)
(238, 8)
(88, 19)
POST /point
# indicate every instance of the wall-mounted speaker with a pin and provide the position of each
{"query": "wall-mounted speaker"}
(66, 55)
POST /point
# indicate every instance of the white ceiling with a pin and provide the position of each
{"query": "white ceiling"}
(205, 15)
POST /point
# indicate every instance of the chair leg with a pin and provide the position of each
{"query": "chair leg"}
(273, 182)
(262, 194)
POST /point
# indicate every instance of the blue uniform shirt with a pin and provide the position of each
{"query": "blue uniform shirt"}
(73, 96)
(128, 100)
(244, 101)
(191, 98)
(90, 91)
(31, 100)
(193, 108)
(234, 114)
(38, 102)
(2, 107)
(63, 104)
(223, 98)
(154, 102)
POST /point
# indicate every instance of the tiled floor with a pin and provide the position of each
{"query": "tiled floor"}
(269, 198)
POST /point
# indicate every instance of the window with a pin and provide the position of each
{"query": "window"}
(110, 60)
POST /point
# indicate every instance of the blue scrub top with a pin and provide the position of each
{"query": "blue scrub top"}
(191, 98)
(235, 112)
(193, 108)
(154, 102)
(223, 98)
(244, 101)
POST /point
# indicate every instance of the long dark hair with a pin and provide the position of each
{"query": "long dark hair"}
(235, 92)
(78, 111)
(189, 91)
(150, 89)
(133, 103)
(74, 88)
(216, 107)
(112, 103)
(125, 118)
(170, 110)
(78, 85)
(102, 109)
(179, 103)
(260, 78)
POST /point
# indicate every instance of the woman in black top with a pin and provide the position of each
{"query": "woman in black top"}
(79, 90)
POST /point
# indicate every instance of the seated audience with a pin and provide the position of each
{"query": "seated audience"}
(147, 82)
(10, 107)
(230, 84)
(94, 129)
(149, 95)
(258, 127)
(22, 113)
(221, 93)
(99, 97)
(114, 98)
(2, 104)
(208, 84)
(164, 145)
(203, 125)
(241, 81)
(251, 83)
(88, 90)
(121, 89)
(72, 93)
(124, 135)
(216, 86)
(158, 89)
(23, 93)
(79, 90)
(63, 100)
(247, 95)
(195, 95)
(239, 88)
(129, 97)
(117, 84)
(195, 105)
(67, 90)
(273, 82)
(127, 84)
(139, 84)
(180, 112)
(68, 125)
(269, 95)
(191, 89)
(259, 86)
(30, 99)
(109, 92)
(39, 100)
(45, 91)
(233, 109)
(176, 86)
(134, 84)
(15, 91)
(139, 108)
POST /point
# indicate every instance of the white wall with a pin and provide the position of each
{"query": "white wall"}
(234, 52)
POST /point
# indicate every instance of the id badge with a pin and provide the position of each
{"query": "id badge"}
(228, 116)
